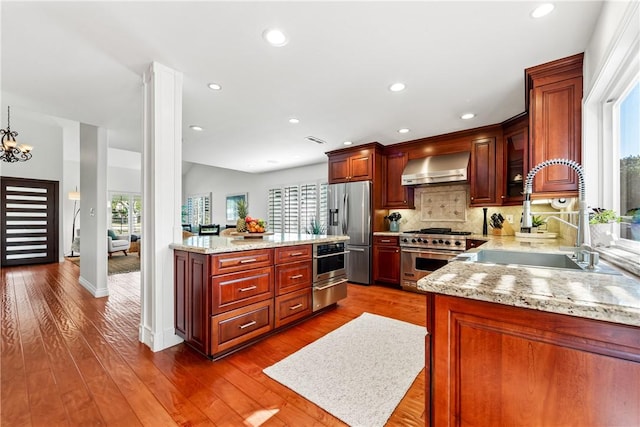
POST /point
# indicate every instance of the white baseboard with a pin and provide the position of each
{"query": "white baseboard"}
(158, 342)
(92, 288)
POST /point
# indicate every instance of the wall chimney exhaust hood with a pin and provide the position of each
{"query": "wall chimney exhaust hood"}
(436, 169)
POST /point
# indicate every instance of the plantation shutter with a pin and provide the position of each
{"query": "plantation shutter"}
(308, 206)
(323, 205)
(291, 209)
(274, 216)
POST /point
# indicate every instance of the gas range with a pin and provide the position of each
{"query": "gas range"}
(435, 238)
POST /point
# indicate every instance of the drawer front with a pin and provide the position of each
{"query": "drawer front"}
(293, 253)
(293, 306)
(238, 326)
(230, 291)
(294, 276)
(385, 240)
(241, 261)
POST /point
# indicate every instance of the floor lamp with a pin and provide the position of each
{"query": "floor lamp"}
(75, 196)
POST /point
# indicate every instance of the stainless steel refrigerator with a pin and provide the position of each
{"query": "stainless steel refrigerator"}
(350, 214)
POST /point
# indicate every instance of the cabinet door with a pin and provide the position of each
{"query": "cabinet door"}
(515, 145)
(556, 133)
(361, 166)
(397, 195)
(198, 310)
(483, 171)
(180, 280)
(238, 326)
(339, 169)
(386, 264)
(293, 276)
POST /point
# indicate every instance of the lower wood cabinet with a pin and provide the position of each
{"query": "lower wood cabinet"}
(225, 301)
(292, 306)
(494, 365)
(238, 326)
(386, 259)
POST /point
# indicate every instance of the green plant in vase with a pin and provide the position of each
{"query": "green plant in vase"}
(315, 227)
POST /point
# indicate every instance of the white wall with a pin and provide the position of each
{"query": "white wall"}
(222, 182)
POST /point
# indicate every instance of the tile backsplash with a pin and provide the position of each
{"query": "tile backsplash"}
(438, 206)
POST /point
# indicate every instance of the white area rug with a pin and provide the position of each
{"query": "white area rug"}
(359, 372)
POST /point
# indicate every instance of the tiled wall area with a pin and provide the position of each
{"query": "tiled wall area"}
(440, 206)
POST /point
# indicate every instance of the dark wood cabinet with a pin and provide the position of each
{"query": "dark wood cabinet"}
(483, 172)
(555, 108)
(396, 195)
(386, 259)
(191, 307)
(491, 364)
(350, 166)
(474, 243)
(514, 159)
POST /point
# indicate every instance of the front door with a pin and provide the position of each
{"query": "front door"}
(29, 221)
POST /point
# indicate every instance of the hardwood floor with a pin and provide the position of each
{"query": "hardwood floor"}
(70, 359)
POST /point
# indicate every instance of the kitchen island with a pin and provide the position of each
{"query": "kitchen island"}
(232, 291)
(522, 345)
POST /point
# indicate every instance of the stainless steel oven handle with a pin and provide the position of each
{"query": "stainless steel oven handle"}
(330, 255)
(356, 249)
(409, 251)
(331, 285)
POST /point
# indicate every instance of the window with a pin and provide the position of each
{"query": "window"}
(291, 209)
(198, 210)
(126, 213)
(627, 114)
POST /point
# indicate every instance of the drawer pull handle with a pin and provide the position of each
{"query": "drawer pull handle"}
(296, 254)
(297, 276)
(245, 261)
(246, 325)
(295, 307)
(385, 241)
(250, 288)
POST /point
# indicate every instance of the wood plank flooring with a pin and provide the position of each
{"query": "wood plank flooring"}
(70, 359)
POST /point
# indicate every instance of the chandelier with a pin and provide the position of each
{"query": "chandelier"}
(10, 151)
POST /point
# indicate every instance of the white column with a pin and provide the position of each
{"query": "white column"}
(93, 209)
(162, 194)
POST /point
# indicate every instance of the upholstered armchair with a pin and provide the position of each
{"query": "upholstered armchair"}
(117, 243)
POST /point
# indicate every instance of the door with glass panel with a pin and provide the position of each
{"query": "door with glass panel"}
(29, 221)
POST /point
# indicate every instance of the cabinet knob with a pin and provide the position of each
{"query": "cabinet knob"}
(502, 197)
(472, 198)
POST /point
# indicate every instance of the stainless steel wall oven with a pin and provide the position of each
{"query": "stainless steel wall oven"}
(329, 273)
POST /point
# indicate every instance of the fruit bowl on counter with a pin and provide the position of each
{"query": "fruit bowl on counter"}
(253, 228)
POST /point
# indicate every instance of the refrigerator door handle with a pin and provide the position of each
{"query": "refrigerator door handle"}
(345, 213)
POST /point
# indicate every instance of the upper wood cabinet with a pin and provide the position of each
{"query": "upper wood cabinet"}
(351, 166)
(483, 172)
(396, 195)
(555, 108)
(514, 159)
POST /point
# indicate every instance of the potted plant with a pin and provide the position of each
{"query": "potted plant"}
(536, 221)
(393, 218)
(603, 226)
(315, 227)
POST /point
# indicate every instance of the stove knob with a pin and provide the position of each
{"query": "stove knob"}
(447, 242)
(440, 241)
(434, 241)
(413, 240)
(419, 240)
(458, 243)
(405, 240)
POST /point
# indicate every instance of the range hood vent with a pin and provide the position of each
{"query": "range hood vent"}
(436, 169)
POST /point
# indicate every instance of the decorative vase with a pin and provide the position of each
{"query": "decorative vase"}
(394, 226)
(604, 234)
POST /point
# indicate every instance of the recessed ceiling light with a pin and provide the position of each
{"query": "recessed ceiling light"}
(347, 143)
(275, 37)
(397, 87)
(215, 86)
(542, 10)
(467, 116)
(403, 130)
(196, 128)
(294, 120)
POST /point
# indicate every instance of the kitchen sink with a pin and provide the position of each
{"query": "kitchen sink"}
(535, 259)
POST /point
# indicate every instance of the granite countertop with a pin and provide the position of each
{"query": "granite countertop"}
(386, 233)
(223, 244)
(612, 298)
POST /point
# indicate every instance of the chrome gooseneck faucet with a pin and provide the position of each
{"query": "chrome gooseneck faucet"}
(583, 237)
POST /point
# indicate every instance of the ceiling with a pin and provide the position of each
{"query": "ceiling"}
(84, 61)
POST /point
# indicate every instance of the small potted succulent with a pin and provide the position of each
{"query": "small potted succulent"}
(603, 226)
(393, 218)
(536, 222)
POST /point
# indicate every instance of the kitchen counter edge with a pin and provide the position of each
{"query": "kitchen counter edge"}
(604, 297)
(222, 244)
